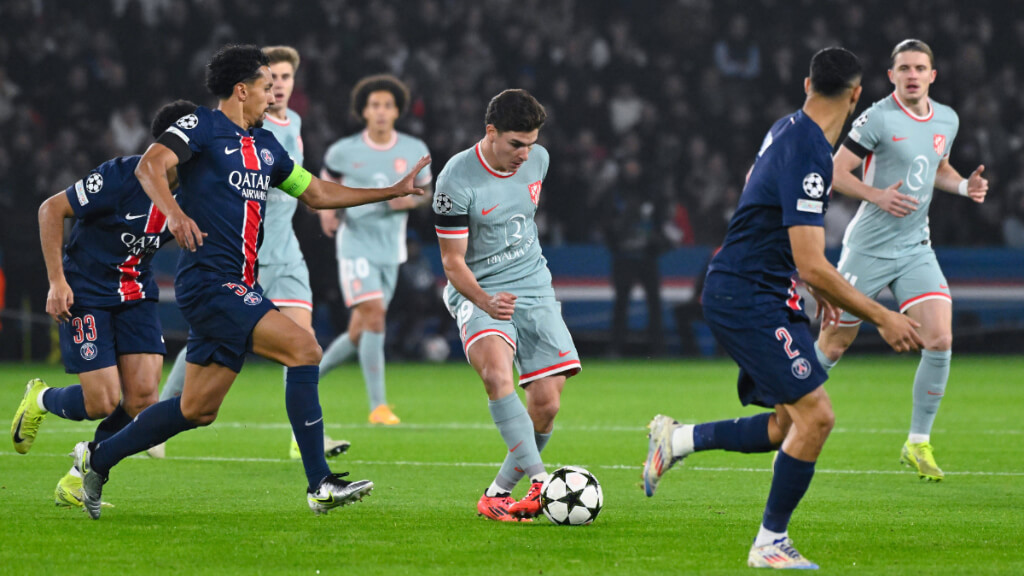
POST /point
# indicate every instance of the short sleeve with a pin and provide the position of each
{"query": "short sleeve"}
(868, 129)
(451, 208)
(189, 134)
(97, 194)
(281, 163)
(805, 186)
(334, 160)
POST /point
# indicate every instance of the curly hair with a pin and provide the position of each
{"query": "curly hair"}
(168, 114)
(232, 64)
(515, 110)
(378, 83)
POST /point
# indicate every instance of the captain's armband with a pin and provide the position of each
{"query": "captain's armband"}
(296, 182)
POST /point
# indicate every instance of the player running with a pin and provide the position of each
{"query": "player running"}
(500, 293)
(227, 164)
(903, 142)
(371, 240)
(752, 307)
(283, 272)
(104, 299)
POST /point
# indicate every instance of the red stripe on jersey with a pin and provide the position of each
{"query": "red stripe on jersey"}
(250, 235)
(458, 232)
(794, 297)
(130, 288)
(250, 159)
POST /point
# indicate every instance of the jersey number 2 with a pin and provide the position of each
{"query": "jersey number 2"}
(783, 335)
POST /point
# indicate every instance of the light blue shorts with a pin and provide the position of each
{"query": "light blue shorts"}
(362, 280)
(287, 285)
(913, 278)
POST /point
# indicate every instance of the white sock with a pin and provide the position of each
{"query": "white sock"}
(74, 472)
(39, 399)
(542, 477)
(493, 490)
(682, 441)
(918, 438)
(766, 537)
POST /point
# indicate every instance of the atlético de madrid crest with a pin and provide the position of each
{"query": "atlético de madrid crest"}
(939, 142)
(535, 191)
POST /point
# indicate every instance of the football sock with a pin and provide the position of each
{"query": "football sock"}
(746, 435)
(766, 537)
(789, 484)
(682, 441)
(823, 360)
(338, 352)
(176, 379)
(302, 401)
(111, 424)
(152, 426)
(516, 429)
(68, 402)
(371, 359)
(510, 474)
(929, 387)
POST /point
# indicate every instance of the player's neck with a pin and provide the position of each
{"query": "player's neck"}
(279, 113)
(234, 112)
(380, 137)
(918, 106)
(490, 158)
(829, 116)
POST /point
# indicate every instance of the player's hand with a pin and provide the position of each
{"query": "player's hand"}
(185, 231)
(895, 203)
(59, 301)
(900, 332)
(329, 221)
(977, 186)
(406, 186)
(501, 306)
(825, 310)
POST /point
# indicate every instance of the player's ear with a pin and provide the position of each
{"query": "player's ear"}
(241, 91)
(855, 96)
(492, 133)
(807, 85)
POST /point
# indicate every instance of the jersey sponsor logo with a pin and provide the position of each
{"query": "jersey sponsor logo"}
(401, 165)
(895, 139)
(813, 206)
(861, 120)
(489, 210)
(188, 122)
(442, 203)
(535, 192)
(229, 151)
(252, 298)
(801, 368)
(143, 245)
(915, 179)
(814, 185)
(939, 143)
(94, 183)
(89, 351)
(267, 156)
(251, 186)
(130, 216)
(80, 192)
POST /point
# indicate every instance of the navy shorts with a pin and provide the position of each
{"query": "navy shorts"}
(774, 349)
(96, 336)
(221, 317)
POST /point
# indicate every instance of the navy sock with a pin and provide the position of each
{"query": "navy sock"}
(152, 426)
(789, 484)
(302, 400)
(68, 403)
(740, 435)
(111, 424)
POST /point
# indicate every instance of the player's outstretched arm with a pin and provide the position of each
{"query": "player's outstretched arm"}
(889, 199)
(322, 194)
(152, 173)
(974, 186)
(52, 213)
(500, 306)
(808, 244)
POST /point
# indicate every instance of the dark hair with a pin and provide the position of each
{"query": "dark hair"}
(515, 111)
(168, 114)
(378, 83)
(912, 45)
(232, 64)
(834, 70)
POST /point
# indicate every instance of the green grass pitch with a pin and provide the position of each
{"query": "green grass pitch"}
(228, 501)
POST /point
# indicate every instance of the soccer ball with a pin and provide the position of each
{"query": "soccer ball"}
(435, 348)
(571, 496)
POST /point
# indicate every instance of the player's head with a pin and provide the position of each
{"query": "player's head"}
(379, 100)
(284, 63)
(168, 114)
(513, 120)
(912, 70)
(835, 75)
(242, 73)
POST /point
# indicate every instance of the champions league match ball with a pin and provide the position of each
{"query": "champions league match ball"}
(571, 496)
(435, 348)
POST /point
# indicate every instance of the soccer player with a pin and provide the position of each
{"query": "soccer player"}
(903, 142)
(752, 307)
(371, 241)
(283, 273)
(500, 293)
(227, 164)
(104, 299)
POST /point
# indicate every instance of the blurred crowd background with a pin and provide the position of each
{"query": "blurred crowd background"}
(656, 107)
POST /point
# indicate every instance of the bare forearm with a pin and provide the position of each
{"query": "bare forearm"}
(322, 194)
(465, 282)
(155, 184)
(948, 179)
(850, 185)
(827, 281)
(51, 237)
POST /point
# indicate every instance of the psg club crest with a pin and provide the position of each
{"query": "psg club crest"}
(801, 368)
(89, 351)
(267, 157)
(401, 165)
(252, 298)
(939, 142)
(535, 192)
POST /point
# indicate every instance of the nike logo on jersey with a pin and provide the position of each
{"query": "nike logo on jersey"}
(564, 354)
(230, 150)
(308, 423)
(489, 210)
(943, 286)
(895, 139)
(17, 430)
(131, 216)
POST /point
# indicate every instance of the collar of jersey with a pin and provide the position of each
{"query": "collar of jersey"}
(487, 166)
(374, 146)
(286, 122)
(931, 109)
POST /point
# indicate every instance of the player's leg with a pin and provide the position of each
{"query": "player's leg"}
(833, 342)
(176, 379)
(543, 399)
(869, 275)
(369, 320)
(278, 338)
(345, 346)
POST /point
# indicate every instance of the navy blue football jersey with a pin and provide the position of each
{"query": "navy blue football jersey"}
(107, 261)
(225, 175)
(790, 185)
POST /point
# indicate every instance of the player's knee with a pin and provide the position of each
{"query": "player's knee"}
(823, 421)
(100, 408)
(305, 352)
(199, 416)
(832, 349)
(139, 402)
(497, 382)
(941, 342)
(545, 411)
